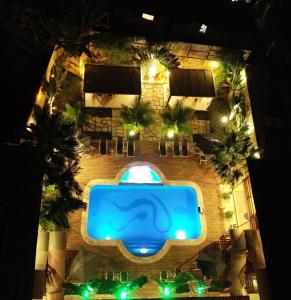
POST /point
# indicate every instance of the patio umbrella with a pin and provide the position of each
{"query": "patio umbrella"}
(211, 263)
(83, 266)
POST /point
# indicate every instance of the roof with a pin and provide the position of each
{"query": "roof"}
(191, 83)
(101, 79)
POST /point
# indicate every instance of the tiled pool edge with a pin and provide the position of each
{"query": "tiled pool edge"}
(119, 243)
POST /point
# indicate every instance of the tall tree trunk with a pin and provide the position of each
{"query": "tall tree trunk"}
(256, 256)
(238, 261)
(56, 265)
(40, 264)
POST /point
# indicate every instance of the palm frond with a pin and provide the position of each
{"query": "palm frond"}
(139, 116)
(176, 118)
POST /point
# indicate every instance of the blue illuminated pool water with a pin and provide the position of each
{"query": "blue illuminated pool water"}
(143, 216)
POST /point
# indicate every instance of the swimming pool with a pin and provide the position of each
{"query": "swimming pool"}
(143, 217)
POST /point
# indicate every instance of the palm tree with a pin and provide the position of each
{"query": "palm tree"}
(137, 117)
(175, 119)
(57, 142)
(52, 86)
(55, 139)
(76, 114)
(153, 51)
(229, 157)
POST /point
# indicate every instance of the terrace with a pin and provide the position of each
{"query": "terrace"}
(110, 94)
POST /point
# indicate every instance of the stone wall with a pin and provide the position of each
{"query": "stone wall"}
(154, 93)
(99, 124)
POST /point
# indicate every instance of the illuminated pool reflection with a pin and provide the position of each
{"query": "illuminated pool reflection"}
(143, 216)
(140, 174)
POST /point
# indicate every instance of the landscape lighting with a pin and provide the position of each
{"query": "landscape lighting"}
(224, 119)
(166, 292)
(170, 134)
(131, 132)
(214, 64)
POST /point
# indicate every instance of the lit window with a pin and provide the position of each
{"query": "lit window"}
(148, 17)
(203, 28)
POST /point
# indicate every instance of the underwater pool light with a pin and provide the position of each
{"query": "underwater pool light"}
(143, 250)
(181, 234)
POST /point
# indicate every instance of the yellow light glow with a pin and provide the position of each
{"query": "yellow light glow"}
(168, 73)
(250, 129)
(131, 132)
(82, 67)
(153, 70)
(52, 75)
(39, 96)
(243, 75)
(224, 119)
(148, 17)
(214, 64)
(170, 134)
(257, 155)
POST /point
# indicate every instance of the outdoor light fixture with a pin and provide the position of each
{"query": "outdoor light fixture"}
(203, 28)
(170, 134)
(224, 119)
(166, 292)
(153, 70)
(181, 234)
(143, 250)
(200, 289)
(214, 64)
(257, 155)
(131, 132)
(148, 17)
(86, 294)
(123, 295)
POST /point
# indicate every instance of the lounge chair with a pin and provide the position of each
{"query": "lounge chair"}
(109, 275)
(185, 152)
(196, 151)
(203, 158)
(103, 146)
(177, 151)
(163, 147)
(119, 146)
(163, 275)
(130, 148)
(117, 276)
(124, 277)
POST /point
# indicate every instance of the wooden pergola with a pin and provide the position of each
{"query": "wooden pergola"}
(111, 86)
(195, 87)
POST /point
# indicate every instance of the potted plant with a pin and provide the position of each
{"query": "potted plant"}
(175, 119)
(228, 214)
(137, 117)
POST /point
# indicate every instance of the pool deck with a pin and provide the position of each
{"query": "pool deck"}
(188, 169)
